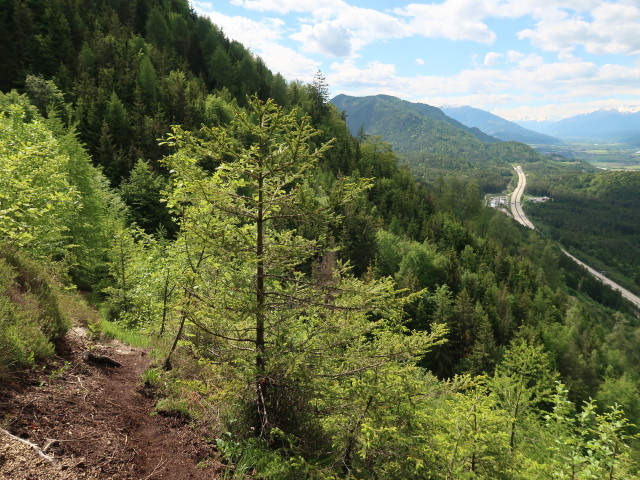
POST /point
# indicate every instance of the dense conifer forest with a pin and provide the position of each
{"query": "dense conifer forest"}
(323, 312)
(597, 215)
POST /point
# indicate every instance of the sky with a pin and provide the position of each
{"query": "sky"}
(520, 59)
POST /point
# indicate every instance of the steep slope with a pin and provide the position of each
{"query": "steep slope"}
(497, 126)
(95, 421)
(130, 69)
(339, 366)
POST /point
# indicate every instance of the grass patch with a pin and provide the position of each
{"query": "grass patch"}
(155, 345)
(174, 407)
(135, 338)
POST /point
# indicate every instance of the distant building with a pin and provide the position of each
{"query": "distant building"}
(538, 199)
(499, 201)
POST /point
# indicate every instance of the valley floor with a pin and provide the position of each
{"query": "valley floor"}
(97, 422)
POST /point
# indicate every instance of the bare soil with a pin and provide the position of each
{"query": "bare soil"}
(97, 422)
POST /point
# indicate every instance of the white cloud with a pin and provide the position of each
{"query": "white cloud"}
(371, 24)
(548, 10)
(514, 56)
(289, 63)
(250, 33)
(287, 6)
(343, 32)
(327, 38)
(492, 58)
(528, 80)
(340, 32)
(612, 29)
(453, 20)
(483, 101)
(375, 74)
(558, 111)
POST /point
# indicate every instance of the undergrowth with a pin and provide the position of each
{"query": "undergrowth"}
(32, 315)
(135, 338)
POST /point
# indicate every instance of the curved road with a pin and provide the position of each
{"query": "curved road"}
(516, 197)
(521, 218)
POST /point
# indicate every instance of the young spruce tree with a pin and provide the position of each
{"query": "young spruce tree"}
(299, 340)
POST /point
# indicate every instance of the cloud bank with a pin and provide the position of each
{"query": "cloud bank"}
(562, 52)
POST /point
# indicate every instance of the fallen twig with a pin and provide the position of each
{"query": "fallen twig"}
(86, 390)
(162, 462)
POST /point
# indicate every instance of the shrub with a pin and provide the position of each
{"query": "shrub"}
(30, 316)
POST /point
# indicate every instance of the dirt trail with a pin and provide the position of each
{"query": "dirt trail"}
(100, 420)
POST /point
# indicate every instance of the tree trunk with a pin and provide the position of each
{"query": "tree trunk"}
(261, 381)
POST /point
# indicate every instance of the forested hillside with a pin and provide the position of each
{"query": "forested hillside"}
(597, 215)
(432, 143)
(367, 114)
(317, 310)
(130, 69)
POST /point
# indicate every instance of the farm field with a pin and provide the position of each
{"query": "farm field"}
(605, 156)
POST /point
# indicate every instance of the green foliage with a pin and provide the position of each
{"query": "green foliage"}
(420, 267)
(98, 212)
(279, 292)
(30, 315)
(142, 192)
(36, 196)
(54, 202)
(44, 94)
(149, 83)
(523, 382)
(173, 407)
(144, 274)
(300, 353)
(588, 444)
(245, 457)
(217, 110)
(84, 54)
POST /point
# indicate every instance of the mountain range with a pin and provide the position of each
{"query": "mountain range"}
(497, 126)
(433, 144)
(417, 128)
(601, 125)
(366, 113)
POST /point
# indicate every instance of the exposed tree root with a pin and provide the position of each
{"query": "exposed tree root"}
(41, 452)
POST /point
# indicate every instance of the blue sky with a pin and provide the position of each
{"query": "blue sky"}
(520, 59)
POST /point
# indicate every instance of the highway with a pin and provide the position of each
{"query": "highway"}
(518, 214)
(516, 197)
(623, 291)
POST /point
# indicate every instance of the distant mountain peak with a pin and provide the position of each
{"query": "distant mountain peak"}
(497, 126)
(428, 137)
(619, 125)
(362, 109)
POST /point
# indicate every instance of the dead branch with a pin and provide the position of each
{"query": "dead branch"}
(101, 360)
